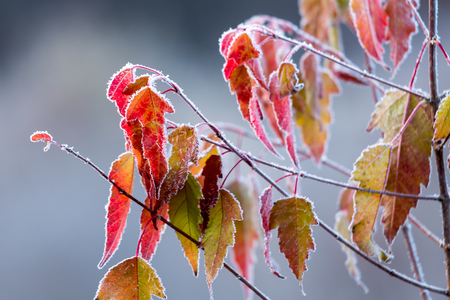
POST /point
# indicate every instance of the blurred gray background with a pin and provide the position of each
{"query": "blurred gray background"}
(55, 60)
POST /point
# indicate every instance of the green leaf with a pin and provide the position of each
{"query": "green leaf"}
(184, 213)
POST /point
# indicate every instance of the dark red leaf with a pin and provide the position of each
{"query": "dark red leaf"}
(211, 172)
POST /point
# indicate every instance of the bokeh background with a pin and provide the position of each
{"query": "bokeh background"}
(55, 60)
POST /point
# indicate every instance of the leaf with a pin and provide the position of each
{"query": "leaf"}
(122, 173)
(312, 105)
(147, 105)
(131, 279)
(343, 219)
(153, 144)
(401, 27)
(185, 214)
(442, 122)
(150, 236)
(241, 50)
(246, 236)
(265, 209)
(288, 80)
(294, 218)
(242, 85)
(42, 136)
(371, 171)
(282, 109)
(370, 23)
(184, 142)
(410, 164)
(211, 172)
(220, 233)
(207, 150)
(119, 81)
(318, 16)
(135, 86)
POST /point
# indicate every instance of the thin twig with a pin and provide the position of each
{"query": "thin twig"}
(419, 59)
(425, 230)
(419, 19)
(369, 69)
(414, 258)
(325, 180)
(178, 230)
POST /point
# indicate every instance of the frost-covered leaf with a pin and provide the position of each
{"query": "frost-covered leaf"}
(282, 106)
(410, 155)
(371, 171)
(122, 173)
(242, 85)
(318, 17)
(294, 218)
(185, 214)
(207, 150)
(150, 236)
(42, 136)
(136, 85)
(184, 142)
(288, 79)
(401, 27)
(343, 218)
(220, 233)
(265, 209)
(212, 172)
(153, 144)
(370, 22)
(119, 81)
(312, 105)
(246, 236)
(442, 122)
(131, 279)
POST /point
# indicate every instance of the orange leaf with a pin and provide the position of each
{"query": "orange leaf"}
(318, 16)
(242, 85)
(371, 171)
(246, 231)
(135, 86)
(131, 279)
(185, 214)
(150, 236)
(370, 23)
(184, 142)
(220, 233)
(401, 28)
(294, 218)
(410, 155)
(119, 81)
(288, 80)
(240, 50)
(42, 136)
(122, 173)
(442, 122)
(343, 219)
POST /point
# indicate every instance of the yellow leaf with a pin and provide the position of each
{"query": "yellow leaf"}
(442, 123)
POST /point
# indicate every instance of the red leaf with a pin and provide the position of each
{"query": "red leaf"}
(266, 208)
(370, 22)
(225, 41)
(42, 136)
(119, 81)
(242, 85)
(150, 236)
(153, 143)
(122, 173)
(211, 172)
(401, 28)
(240, 50)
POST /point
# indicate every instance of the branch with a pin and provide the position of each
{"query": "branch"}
(414, 257)
(363, 73)
(325, 180)
(122, 191)
(426, 231)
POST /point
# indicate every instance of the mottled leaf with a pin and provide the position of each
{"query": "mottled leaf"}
(122, 173)
(131, 279)
(442, 122)
(265, 209)
(119, 81)
(185, 214)
(150, 236)
(410, 164)
(294, 218)
(246, 236)
(220, 233)
(318, 17)
(341, 225)
(240, 50)
(401, 27)
(371, 171)
(370, 22)
(288, 80)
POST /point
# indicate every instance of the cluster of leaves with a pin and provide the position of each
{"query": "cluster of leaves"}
(182, 177)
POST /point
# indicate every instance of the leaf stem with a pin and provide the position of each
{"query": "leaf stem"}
(122, 191)
(414, 258)
(406, 123)
(419, 59)
(425, 230)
